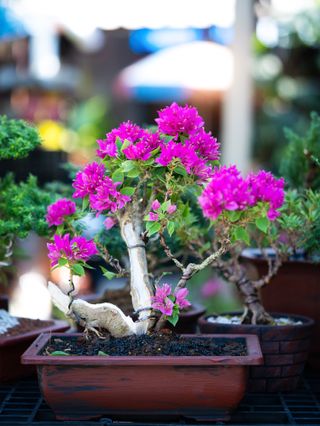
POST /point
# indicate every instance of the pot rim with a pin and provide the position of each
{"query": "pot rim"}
(254, 356)
(306, 321)
(56, 326)
(254, 254)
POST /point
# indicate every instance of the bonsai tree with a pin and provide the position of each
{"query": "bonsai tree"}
(22, 205)
(153, 184)
(301, 168)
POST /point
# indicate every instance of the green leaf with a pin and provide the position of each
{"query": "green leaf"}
(128, 165)
(62, 261)
(125, 144)
(60, 229)
(164, 206)
(85, 203)
(181, 171)
(127, 190)
(262, 223)
(103, 353)
(242, 234)
(153, 227)
(118, 176)
(59, 353)
(234, 215)
(119, 143)
(170, 228)
(78, 269)
(108, 274)
(173, 319)
(133, 173)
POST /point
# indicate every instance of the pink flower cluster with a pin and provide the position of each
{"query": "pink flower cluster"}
(196, 150)
(102, 191)
(175, 120)
(265, 187)
(142, 142)
(164, 301)
(228, 190)
(57, 211)
(107, 197)
(156, 206)
(126, 131)
(188, 157)
(78, 248)
(88, 180)
(143, 148)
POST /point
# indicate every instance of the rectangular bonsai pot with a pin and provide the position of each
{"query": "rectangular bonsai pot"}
(85, 387)
(12, 347)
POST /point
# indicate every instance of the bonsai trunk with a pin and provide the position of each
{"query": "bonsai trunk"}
(141, 288)
(254, 311)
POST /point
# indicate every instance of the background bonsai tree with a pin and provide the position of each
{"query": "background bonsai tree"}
(22, 205)
(153, 184)
(301, 168)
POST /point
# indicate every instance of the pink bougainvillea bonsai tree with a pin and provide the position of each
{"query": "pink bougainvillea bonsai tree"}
(153, 185)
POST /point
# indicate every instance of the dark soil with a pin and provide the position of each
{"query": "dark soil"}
(25, 326)
(163, 344)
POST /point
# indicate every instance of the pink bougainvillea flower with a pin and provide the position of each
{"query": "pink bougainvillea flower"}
(82, 248)
(155, 205)
(107, 197)
(109, 223)
(108, 147)
(175, 120)
(79, 248)
(142, 150)
(227, 190)
(181, 300)
(57, 211)
(153, 217)
(60, 247)
(205, 144)
(126, 131)
(210, 288)
(266, 188)
(161, 301)
(171, 209)
(88, 180)
(193, 164)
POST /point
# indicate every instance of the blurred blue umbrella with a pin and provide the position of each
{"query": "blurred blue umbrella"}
(10, 26)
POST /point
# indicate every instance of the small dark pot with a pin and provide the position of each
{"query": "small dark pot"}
(85, 387)
(12, 347)
(4, 302)
(188, 320)
(284, 348)
(295, 290)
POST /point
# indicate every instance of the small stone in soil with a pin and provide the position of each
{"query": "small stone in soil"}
(163, 344)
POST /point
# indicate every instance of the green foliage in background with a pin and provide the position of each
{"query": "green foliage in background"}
(22, 205)
(17, 138)
(299, 162)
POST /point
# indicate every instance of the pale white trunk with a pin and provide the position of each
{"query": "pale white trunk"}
(141, 288)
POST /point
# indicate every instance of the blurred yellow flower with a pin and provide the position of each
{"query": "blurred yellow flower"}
(51, 133)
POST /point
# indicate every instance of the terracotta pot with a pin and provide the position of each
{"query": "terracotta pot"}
(284, 348)
(78, 387)
(12, 347)
(295, 290)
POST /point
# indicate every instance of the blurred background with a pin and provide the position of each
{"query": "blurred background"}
(78, 68)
